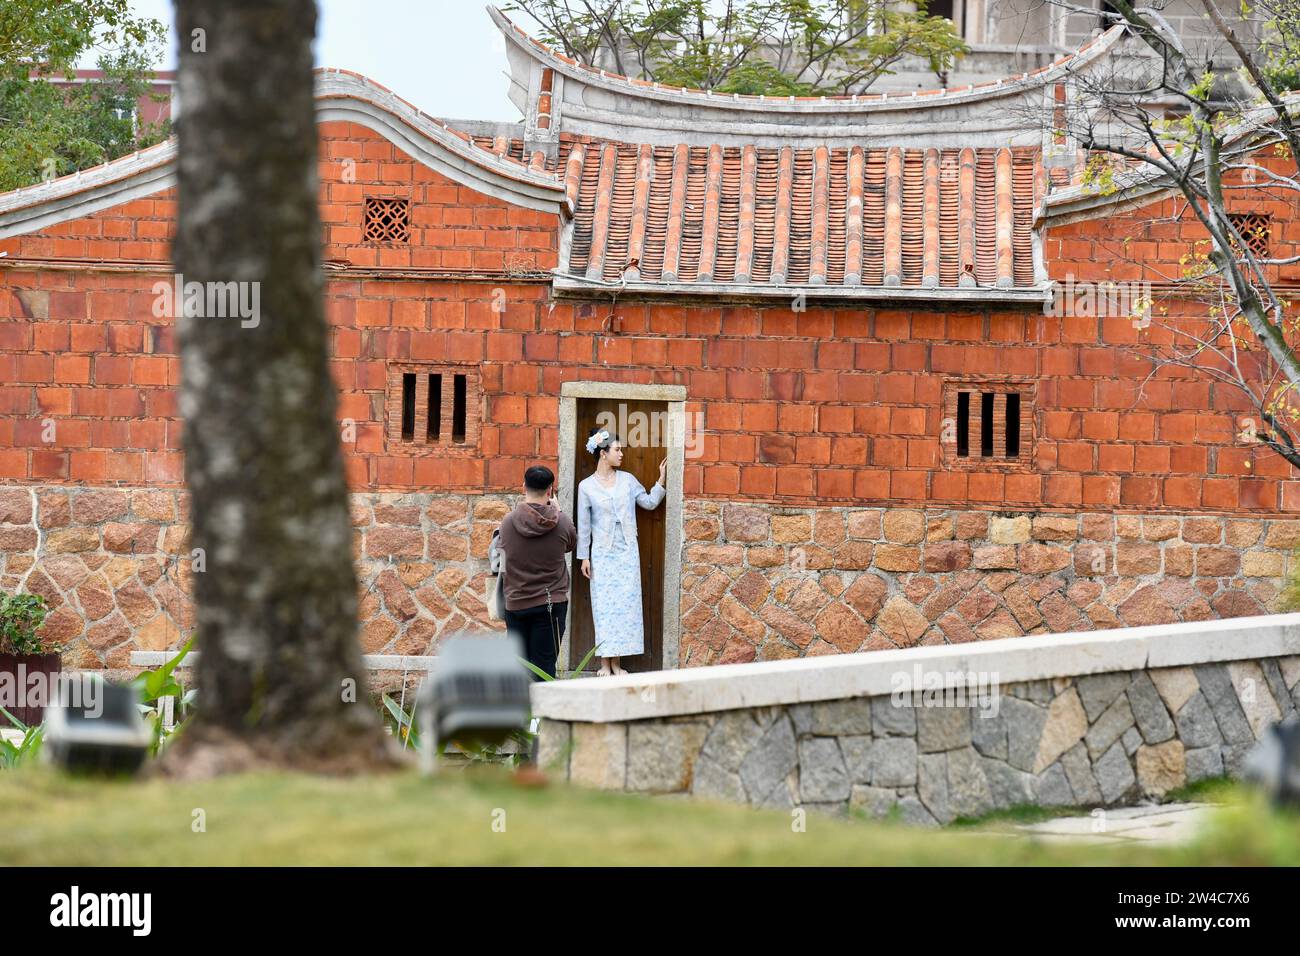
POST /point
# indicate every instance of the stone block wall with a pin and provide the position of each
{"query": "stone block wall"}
(111, 564)
(115, 567)
(422, 567)
(763, 582)
(1102, 739)
(759, 582)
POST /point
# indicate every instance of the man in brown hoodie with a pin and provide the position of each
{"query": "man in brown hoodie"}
(536, 538)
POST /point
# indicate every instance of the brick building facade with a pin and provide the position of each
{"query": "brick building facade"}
(900, 443)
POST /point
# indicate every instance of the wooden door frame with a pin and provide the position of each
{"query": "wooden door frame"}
(675, 398)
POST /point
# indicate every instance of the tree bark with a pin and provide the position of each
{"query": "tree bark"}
(276, 598)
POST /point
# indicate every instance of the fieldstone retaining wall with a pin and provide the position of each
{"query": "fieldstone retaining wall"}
(115, 567)
(1123, 715)
(759, 582)
(769, 583)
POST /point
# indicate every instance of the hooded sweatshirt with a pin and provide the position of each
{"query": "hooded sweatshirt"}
(535, 539)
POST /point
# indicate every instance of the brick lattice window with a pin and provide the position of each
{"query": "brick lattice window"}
(433, 406)
(387, 220)
(988, 424)
(1256, 229)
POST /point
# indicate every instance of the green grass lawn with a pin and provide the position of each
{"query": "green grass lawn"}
(402, 818)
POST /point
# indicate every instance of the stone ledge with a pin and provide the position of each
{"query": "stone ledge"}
(628, 391)
(873, 674)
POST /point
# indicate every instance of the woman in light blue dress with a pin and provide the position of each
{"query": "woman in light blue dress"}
(607, 549)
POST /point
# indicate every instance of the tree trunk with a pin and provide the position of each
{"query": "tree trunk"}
(276, 595)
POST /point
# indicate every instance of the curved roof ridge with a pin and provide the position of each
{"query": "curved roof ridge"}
(105, 174)
(333, 82)
(1092, 49)
(339, 94)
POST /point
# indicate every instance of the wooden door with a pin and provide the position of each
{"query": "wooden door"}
(641, 460)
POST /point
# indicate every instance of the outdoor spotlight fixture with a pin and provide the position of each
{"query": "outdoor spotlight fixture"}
(478, 693)
(102, 733)
(1274, 763)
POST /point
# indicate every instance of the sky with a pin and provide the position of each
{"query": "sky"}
(445, 56)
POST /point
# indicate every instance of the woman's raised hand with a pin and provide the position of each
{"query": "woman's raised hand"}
(662, 465)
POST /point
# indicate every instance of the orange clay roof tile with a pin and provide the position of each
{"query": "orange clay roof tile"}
(758, 215)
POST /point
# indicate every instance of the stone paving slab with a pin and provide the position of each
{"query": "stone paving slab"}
(1167, 823)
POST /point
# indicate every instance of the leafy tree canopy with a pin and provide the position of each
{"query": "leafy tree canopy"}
(776, 47)
(48, 130)
(1280, 27)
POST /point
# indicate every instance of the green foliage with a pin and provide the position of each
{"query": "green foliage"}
(55, 33)
(1218, 790)
(582, 665)
(21, 616)
(405, 819)
(772, 47)
(1018, 815)
(161, 682)
(1202, 89)
(27, 750)
(1280, 56)
(155, 687)
(50, 130)
(403, 724)
(1284, 74)
(477, 753)
(1099, 174)
(1289, 599)
(407, 731)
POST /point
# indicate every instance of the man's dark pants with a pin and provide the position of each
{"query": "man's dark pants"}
(540, 642)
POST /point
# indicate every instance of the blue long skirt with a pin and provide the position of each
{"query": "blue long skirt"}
(616, 599)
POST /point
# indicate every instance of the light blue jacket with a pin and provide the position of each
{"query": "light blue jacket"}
(602, 511)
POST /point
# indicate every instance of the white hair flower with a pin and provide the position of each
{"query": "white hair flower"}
(596, 440)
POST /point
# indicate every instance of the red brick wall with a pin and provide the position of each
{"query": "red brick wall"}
(80, 346)
(1152, 241)
(823, 405)
(84, 352)
(826, 406)
(1176, 440)
(136, 230)
(452, 226)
